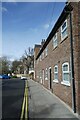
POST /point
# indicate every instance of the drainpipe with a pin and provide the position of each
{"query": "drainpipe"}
(72, 67)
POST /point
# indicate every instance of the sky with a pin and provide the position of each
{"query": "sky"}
(25, 24)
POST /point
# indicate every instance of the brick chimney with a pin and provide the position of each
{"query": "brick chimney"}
(42, 43)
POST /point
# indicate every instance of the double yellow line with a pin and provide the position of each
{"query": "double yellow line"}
(24, 112)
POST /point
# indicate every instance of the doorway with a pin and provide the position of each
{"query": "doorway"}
(50, 78)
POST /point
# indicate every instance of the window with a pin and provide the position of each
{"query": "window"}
(37, 60)
(43, 55)
(40, 57)
(65, 74)
(46, 51)
(55, 40)
(37, 74)
(64, 30)
(46, 74)
(55, 73)
(40, 76)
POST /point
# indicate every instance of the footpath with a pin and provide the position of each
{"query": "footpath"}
(43, 104)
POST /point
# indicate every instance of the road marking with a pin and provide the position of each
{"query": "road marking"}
(23, 107)
(25, 104)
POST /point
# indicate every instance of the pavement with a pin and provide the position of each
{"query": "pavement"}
(44, 104)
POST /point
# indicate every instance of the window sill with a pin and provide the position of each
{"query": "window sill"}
(56, 81)
(65, 83)
(46, 78)
(63, 39)
(55, 47)
(46, 56)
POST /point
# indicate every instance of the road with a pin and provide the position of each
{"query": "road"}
(12, 98)
(0, 99)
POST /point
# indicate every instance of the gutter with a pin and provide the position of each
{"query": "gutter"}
(72, 67)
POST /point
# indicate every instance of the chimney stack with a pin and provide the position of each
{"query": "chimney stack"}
(42, 43)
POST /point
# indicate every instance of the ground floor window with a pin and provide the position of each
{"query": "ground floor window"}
(55, 73)
(65, 73)
(40, 76)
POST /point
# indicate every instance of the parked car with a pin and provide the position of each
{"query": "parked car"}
(23, 78)
(0, 76)
(5, 76)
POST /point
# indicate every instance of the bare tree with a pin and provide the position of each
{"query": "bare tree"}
(28, 59)
(4, 65)
(17, 66)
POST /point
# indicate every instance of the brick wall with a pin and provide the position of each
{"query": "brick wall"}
(79, 58)
(76, 50)
(36, 51)
(61, 54)
(57, 56)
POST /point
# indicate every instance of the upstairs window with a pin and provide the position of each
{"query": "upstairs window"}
(40, 57)
(43, 55)
(46, 51)
(64, 30)
(55, 40)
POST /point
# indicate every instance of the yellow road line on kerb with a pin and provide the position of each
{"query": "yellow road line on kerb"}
(23, 108)
(25, 105)
(26, 102)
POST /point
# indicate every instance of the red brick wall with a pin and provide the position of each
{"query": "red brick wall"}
(36, 51)
(79, 58)
(76, 45)
(58, 56)
(62, 54)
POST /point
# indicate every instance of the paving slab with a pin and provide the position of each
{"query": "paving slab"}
(43, 104)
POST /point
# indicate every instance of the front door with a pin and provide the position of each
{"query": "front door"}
(50, 80)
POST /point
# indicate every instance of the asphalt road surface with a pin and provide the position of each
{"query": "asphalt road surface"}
(0, 99)
(12, 98)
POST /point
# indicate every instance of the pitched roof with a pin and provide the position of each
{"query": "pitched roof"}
(67, 9)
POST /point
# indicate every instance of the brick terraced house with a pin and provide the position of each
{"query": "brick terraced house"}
(57, 60)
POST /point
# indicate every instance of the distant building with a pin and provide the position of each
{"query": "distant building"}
(57, 61)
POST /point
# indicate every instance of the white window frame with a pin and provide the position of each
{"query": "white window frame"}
(43, 55)
(55, 80)
(37, 74)
(46, 51)
(37, 60)
(40, 58)
(54, 41)
(64, 82)
(46, 74)
(62, 30)
(41, 76)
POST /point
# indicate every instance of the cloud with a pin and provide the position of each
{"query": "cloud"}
(46, 26)
(36, 0)
(32, 30)
(3, 9)
(9, 1)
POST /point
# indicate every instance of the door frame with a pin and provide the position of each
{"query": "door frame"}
(50, 78)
